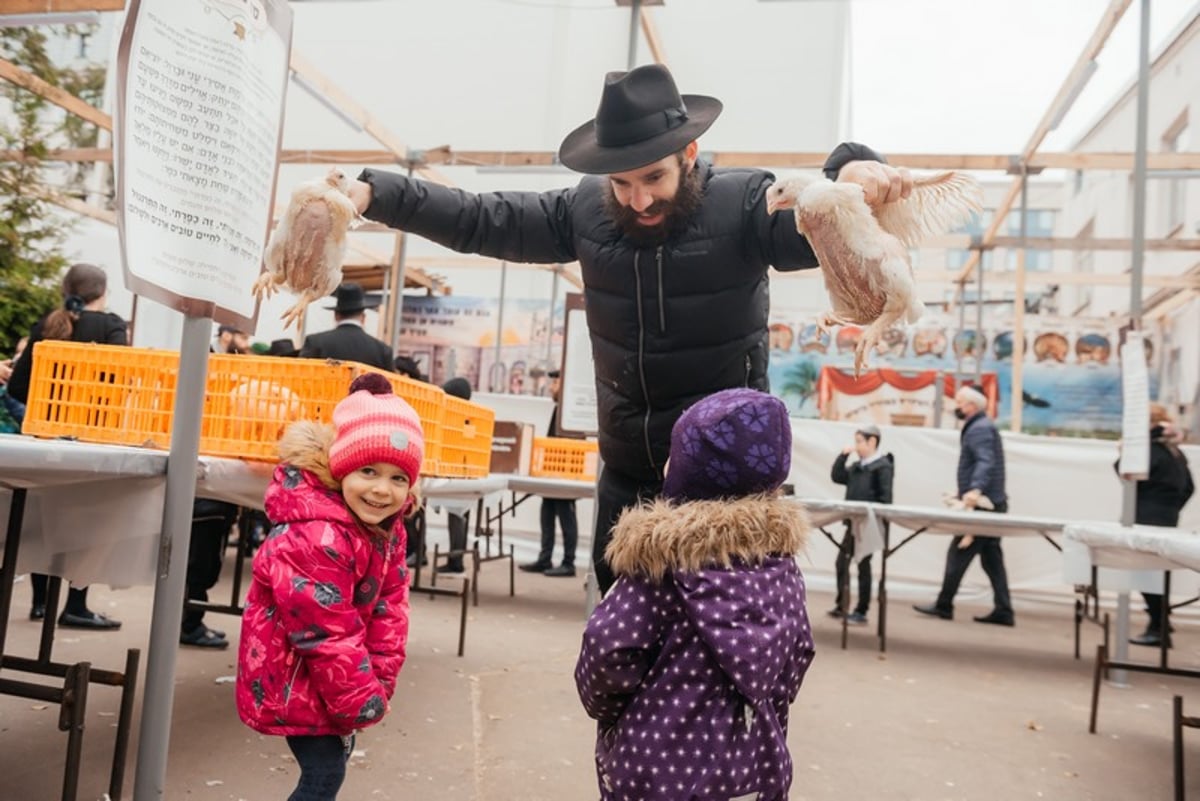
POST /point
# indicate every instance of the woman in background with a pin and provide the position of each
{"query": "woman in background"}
(81, 318)
(1160, 497)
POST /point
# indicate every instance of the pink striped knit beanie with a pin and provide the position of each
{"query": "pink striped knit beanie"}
(374, 425)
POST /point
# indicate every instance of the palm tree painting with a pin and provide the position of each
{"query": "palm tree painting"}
(801, 381)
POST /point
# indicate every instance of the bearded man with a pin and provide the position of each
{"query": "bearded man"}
(674, 256)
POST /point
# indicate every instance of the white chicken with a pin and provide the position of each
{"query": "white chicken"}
(308, 246)
(864, 253)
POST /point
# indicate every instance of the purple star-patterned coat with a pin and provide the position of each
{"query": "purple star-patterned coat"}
(691, 661)
(326, 619)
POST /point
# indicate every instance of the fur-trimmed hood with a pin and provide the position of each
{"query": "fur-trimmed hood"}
(662, 537)
(306, 445)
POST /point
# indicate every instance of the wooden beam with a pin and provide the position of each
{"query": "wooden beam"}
(372, 126)
(532, 158)
(393, 280)
(1017, 376)
(652, 38)
(414, 276)
(964, 242)
(59, 97)
(1169, 304)
(58, 6)
(79, 207)
(1008, 278)
(1069, 89)
(1112, 15)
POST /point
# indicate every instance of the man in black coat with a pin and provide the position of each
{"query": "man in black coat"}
(348, 341)
(980, 477)
(674, 255)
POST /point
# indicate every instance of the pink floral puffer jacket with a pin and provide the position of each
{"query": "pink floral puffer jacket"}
(326, 619)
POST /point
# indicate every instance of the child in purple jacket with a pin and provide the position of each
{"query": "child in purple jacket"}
(692, 659)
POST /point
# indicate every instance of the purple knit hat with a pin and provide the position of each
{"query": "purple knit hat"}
(734, 443)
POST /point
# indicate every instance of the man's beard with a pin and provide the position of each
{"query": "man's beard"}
(676, 212)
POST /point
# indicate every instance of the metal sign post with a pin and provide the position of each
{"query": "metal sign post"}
(200, 96)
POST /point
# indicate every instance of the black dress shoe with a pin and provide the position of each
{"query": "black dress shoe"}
(536, 567)
(37, 611)
(996, 618)
(451, 567)
(204, 637)
(934, 610)
(1150, 638)
(567, 571)
(87, 620)
(836, 612)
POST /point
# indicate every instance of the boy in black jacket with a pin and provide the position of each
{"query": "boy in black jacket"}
(868, 479)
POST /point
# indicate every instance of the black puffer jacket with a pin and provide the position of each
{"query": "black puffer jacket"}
(668, 325)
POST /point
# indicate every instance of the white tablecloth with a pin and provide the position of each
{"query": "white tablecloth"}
(869, 519)
(92, 513)
(868, 533)
(561, 488)
(1137, 547)
(953, 521)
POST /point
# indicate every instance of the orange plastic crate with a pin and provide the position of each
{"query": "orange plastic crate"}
(250, 400)
(120, 395)
(466, 439)
(557, 457)
(101, 393)
(428, 401)
(126, 396)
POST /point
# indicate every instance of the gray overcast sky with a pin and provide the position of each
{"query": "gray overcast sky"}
(977, 75)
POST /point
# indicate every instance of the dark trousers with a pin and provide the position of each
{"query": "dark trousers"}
(322, 761)
(1154, 610)
(844, 558)
(76, 596)
(616, 492)
(456, 524)
(209, 535)
(414, 529)
(563, 510)
(992, 560)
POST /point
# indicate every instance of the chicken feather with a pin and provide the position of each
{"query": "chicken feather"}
(863, 252)
(307, 248)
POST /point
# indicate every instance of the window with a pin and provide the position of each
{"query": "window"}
(955, 259)
(1039, 224)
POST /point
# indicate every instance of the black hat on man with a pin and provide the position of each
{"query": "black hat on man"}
(641, 118)
(351, 299)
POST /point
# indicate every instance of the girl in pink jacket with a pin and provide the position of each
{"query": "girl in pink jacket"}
(326, 618)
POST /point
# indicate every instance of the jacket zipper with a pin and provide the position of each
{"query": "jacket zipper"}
(637, 275)
(662, 312)
(746, 381)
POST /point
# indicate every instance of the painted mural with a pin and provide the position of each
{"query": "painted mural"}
(1071, 369)
(457, 335)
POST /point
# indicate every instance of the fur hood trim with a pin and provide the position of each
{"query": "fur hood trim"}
(306, 445)
(661, 537)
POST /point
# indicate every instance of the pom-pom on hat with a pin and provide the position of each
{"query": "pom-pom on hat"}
(735, 443)
(373, 425)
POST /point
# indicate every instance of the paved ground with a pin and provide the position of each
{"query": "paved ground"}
(955, 710)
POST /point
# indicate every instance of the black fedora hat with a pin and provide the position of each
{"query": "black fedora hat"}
(641, 119)
(351, 299)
